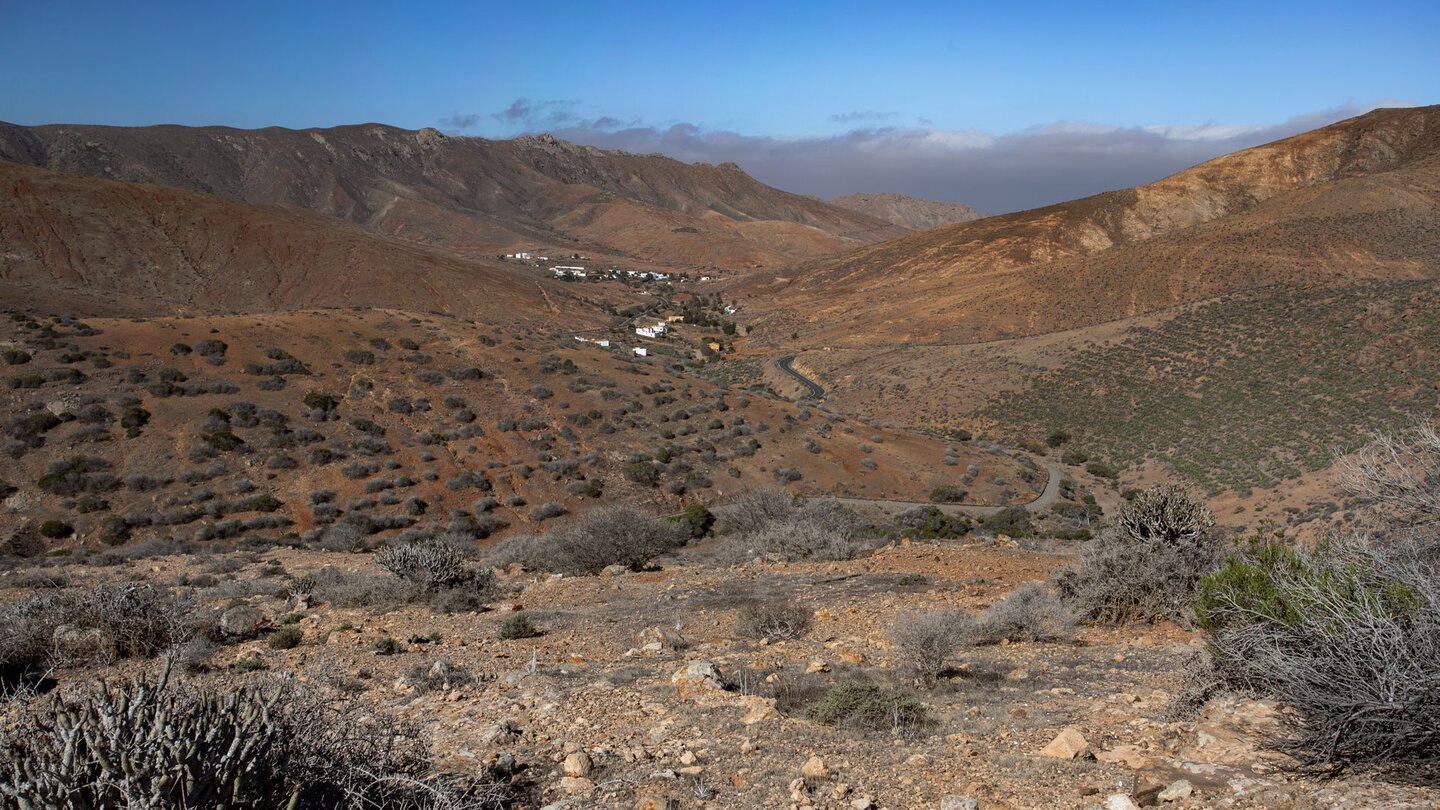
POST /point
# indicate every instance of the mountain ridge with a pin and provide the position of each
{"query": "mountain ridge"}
(469, 194)
(992, 278)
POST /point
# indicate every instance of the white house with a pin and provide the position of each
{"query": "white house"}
(641, 351)
(602, 343)
(651, 331)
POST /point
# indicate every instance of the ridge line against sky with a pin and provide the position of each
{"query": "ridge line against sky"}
(985, 104)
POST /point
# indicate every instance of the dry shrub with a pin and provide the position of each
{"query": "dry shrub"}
(1346, 636)
(1146, 567)
(772, 525)
(154, 743)
(1032, 612)
(100, 623)
(588, 543)
(775, 620)
(925, 641)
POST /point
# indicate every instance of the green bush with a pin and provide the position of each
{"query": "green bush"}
(16, 357)
(1012, 521)
(1102, 470)
(286, 638)
(641, 472)
(948, 494)
(869, 707)
(930, 523)
(516, 625)
(697, 520)
(56, 529)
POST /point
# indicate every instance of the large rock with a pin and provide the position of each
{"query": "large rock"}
(578, 764)
(1068, 744)
(697, 677)
(815, 768)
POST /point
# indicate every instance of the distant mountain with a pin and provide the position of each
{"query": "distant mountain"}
(911, 212)
(1357, 199)
(470, 194)
(105, 247)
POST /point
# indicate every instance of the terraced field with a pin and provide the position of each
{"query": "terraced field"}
(1247, 390)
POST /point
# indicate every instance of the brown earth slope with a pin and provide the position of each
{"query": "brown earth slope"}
(911, 212)
(1354, 200)
(467, 193)
(104, 247)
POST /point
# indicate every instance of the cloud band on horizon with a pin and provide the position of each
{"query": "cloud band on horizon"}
(995, 174)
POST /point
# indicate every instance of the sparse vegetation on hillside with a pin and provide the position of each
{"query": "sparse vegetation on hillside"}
(1198, 392)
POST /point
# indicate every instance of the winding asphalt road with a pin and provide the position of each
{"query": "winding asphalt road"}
(1040, 504)
(816, 391)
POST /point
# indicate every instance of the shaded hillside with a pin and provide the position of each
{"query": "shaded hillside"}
(465, 193)
(1353, 200)
(911, 212)
(98, 246)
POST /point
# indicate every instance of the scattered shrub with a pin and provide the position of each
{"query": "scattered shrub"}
(613, 535)
(516, 625)
(948, 494)
(286, 638)
(1346, 637)
(930, 523)
(432, 565)
(56, 529)
(868, 707)
(547, 510)
(776, 620)
(1148, 565)
(925, 641)
(1031, 612)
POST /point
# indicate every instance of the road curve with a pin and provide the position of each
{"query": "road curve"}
(1040, 504)
(816, 391)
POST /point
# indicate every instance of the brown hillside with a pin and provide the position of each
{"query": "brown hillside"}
(459, 409)
(911, 212)
(465, 193)
(1353, 200)
(105, 247)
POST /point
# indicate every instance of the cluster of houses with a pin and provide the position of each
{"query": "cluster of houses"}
(655, 330)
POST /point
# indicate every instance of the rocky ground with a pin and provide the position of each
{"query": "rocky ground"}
(646, 689)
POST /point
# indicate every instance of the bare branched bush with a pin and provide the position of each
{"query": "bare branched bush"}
(614, 535)
(1148, 565)
(433, 564)
(774, 619)
(98, 623)
(154, 743)
(1400, 475)
(925, 641)
(1031, 612)
(1347, 637)
(770, 524)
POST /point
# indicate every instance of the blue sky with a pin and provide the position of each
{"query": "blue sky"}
(800, 94)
